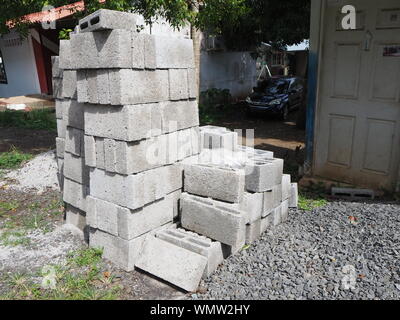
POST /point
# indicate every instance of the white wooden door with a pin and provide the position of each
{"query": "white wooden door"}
(358, 112)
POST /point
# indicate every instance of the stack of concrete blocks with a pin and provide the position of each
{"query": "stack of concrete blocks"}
(73, 174)
(129, 142)
(140, 120)
(234, 202)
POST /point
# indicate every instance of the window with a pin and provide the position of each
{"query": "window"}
(3, 76)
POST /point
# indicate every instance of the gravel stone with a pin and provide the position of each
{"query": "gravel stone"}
(310, 256)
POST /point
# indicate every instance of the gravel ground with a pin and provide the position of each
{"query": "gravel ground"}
(344, 250)
(39, 174)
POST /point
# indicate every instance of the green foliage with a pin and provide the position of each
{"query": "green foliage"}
(308, 203)
(243, 23)
(64, 34)
(214, 104)
(13, 159)
(40, 119)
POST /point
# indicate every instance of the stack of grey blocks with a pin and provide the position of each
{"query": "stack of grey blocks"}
(129, 143)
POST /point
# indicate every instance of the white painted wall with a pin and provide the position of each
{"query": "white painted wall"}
(20, 66)
(235, 71)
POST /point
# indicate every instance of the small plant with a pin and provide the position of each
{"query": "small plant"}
(14, 238)
(64, 34)
(13, 159)
(308, 203)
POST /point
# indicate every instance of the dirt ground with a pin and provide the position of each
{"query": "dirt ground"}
(271, 134)
(27, 140)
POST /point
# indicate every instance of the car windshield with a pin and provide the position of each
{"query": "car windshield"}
(277, 87)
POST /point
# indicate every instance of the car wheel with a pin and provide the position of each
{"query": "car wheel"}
(285, 113)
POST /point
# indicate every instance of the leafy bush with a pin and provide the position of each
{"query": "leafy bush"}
(214, 103)
(36, 119)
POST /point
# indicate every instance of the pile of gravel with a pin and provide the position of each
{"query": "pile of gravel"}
(341, 251)
(39, 174)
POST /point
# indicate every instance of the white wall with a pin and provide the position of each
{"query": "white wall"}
(20, 66)
(235, 71)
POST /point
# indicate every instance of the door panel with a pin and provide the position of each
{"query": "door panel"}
(357, 135)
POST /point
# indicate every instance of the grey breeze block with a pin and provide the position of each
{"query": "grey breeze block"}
(129, 224)
(216, 222)
(212, 250)
(212, 137)
(215, 182)
(104, 19)
(262, 175)
(135, 191)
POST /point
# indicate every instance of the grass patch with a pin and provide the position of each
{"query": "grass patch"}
(80, 278)
(308, 203)
(40, 119)
(13, 159)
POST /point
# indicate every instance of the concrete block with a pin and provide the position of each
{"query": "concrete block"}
(178, 115)
(175, 198)
(90, 151)
(75, 217)
(57, 88)
(129, 86)
(73, 113)
(100, 155)
(121, 252)
(253, 205)
(212, 137)
(82, 86)
(60, 173)
(257, 154)
(125, 223)
(195, 137)
(294, 196)
(165, 52)
(216, 222)
(65, 55)
(59, 109)
(104, 19)
(56, 71)
(110, 155)
(126, 123)
(61, 128)
(75, 194)
(172, 263)
(261, 175)
(211, 250)
(214, 182)
(272, 199)
(135, 191)
(69, 84)
(103, 87)
(74, 142)
(84, 51)
(178, 84)
(284, 210)
(253, 231)
(354, 194)
(192, 83)
(115, 49)
(138, 50)
(286, 186)
(267, 222)
(277, 216)
(60, 147)
(91, 78)
(75, 169)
